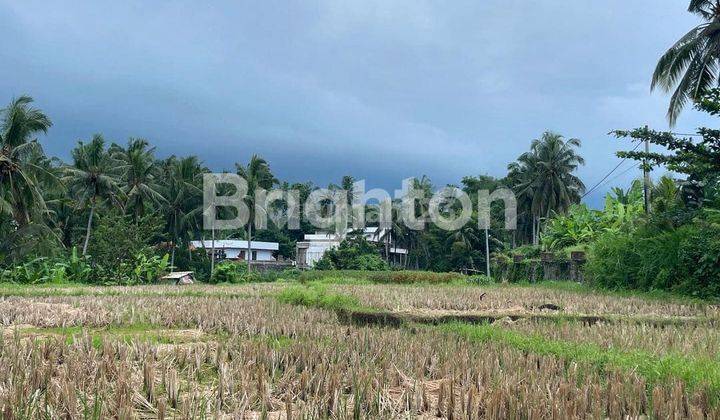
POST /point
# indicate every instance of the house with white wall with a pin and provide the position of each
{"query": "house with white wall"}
(232, 249)
(314, 246)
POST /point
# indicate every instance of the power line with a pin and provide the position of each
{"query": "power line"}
(620, 174)
(609, 173)
(686, 134)
(600, 183)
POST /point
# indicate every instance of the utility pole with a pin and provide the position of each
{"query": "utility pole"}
(487, 253)
(646, 172)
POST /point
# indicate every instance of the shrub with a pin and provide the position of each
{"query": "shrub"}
(684, 260)
(324, 264)
(581, 225)
(354, 253)
(528, 251)
(117, 241)
(149, 269)
(237, 272)
(229, 272)
(196, 260)
(64, 269)
(368, 262)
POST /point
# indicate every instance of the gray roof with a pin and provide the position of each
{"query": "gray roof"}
(236, 244)
(177, 274)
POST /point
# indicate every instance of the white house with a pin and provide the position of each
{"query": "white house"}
(315, 245)
(231, 249)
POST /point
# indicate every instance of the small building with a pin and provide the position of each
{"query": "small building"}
(315, 245)
(179, 278)
(236, 250)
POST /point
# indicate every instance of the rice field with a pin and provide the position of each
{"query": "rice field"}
(282, 350)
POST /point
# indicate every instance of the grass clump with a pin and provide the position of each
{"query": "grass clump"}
(315, 295)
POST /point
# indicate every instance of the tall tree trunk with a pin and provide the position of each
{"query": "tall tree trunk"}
(212, 251)
(248, 256)
(89, 226)
(172, 257)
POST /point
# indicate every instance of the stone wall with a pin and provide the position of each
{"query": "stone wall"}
(547, 267)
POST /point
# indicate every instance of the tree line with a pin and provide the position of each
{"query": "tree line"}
(49, 207)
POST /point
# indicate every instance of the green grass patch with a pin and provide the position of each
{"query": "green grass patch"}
(693, 371)
(7, 290)
(653, 295)
(316, 295)
(388, 277)
(139, 332)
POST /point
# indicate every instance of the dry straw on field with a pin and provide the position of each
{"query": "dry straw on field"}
(142, 354)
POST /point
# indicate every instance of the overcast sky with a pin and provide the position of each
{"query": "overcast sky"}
(382, 90)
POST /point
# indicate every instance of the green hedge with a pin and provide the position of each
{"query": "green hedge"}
(397, 277)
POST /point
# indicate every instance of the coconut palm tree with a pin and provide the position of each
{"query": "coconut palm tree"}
(183, 198)
(91, 179)
(257, 174)
(138, 168)
(544, 176)
(20, 194)
(468, 237)
(418, 239)
(691, 65)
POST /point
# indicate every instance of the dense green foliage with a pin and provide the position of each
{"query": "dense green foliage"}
(676, 246)
(120, 205)
(544, 180)
(684, 260)
(354, 253)
(230, 272)
(582, 225)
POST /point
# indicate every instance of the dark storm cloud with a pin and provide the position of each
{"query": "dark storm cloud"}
(380, 90)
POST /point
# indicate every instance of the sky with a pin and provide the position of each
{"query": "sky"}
(378, 89)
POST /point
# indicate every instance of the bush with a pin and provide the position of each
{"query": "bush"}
(117, 241)
(142, 269)
(70, 268)
(229, 272)
(684, 260)
(528, 251)
(368, 262)
(354, 253)
(197, 261)
(324, 264)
